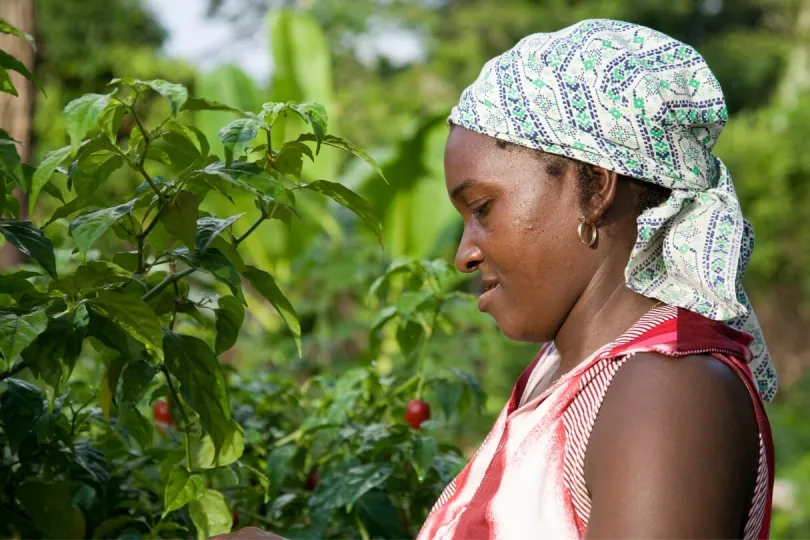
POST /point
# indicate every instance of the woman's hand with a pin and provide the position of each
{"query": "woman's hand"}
(249, 533)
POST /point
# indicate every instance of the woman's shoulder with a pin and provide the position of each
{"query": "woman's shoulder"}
(679, 433)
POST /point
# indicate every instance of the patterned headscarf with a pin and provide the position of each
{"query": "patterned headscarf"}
(640, 103)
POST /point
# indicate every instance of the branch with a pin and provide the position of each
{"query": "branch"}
(250, 230)
(13, 371)
(168, 280)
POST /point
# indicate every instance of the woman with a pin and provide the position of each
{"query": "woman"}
(600, 221)
(602, 224)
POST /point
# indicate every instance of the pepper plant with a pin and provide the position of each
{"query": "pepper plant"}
(129, 302)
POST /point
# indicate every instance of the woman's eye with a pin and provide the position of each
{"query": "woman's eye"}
(481, 210)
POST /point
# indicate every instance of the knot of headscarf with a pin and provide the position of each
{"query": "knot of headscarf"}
(642, 104)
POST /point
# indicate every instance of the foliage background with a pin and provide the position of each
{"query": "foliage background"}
(758, 48)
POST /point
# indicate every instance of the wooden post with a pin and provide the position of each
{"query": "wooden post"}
(16, 113)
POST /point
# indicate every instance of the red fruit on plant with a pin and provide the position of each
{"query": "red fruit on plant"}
(416, 413)
(312, 480)
(161, 413)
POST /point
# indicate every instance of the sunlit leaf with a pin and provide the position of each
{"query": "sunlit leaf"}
(349, 199)
(82, 114)
(348, 146)
(132, 315)
(90, 227)
(210, 514)
(198, 104)
(241, 130)
(209, 228)
(43, 174)
(181, 488)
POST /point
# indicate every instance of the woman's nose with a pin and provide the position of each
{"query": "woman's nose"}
(468, 255)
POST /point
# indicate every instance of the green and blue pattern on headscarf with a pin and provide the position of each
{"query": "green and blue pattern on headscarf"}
(642, 104)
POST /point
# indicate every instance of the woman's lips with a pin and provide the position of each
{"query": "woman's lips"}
(486, 297)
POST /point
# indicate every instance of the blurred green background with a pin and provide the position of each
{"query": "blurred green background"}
(389, 71)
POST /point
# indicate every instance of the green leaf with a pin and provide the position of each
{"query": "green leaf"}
(289, 159)
(9, 62)
(351, 200)
(315, 114)
(66, 210)
(341, 488)
(16, 283)
(230, 314)
(18, 331)
(380, 516)
(82, 114)
(449, 396)
(348, 146)
(241, 130)
(198, 104)
(266, 286)
(135, 380)
(204, 454)
(21, 406)
(108, 528)
(53, 355)
(6, 28)
(202, 384)
(230, 252)
(109, 385)
(5, 83)
(87, 229)
(92, 171)
(10, 161)
(50, 506)
(216, 264)
(279, 465)
(181, 488)
(110, 121)
(410, 335)
(90, 276)
(210, 514)
(176, 94)
(423, 453)
(209, 228)
(30, 240)
(180, 217)
(138, 427)
(43, 174)
(472, 386)
(133, 316)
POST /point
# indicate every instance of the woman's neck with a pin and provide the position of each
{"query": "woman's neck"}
(605, 310)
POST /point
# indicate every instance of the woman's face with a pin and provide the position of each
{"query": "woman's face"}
(520, 232)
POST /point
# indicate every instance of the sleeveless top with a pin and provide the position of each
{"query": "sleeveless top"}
(528, 477)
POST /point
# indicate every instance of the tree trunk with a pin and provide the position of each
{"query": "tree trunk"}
(16, 112)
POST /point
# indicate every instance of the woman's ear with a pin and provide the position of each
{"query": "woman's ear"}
(604, 184)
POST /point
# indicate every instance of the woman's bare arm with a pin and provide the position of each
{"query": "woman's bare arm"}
(673, 452)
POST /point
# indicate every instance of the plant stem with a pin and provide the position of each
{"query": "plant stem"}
(362, 528)
(250, 230)
(174, 305)
(423, 352)
(176, 398)
(140, 254)
(168, 280)
(13, 371)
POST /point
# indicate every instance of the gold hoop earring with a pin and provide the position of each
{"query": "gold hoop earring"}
(588, 239)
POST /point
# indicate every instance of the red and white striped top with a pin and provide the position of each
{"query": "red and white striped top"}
(527, 479)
